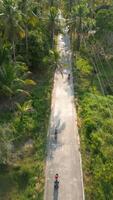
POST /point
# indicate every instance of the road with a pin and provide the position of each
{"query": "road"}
(64, 155)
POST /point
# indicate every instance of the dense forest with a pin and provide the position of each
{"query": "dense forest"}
(28, 59)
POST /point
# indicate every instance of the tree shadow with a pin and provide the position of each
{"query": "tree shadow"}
(55, 144)
(56, 124)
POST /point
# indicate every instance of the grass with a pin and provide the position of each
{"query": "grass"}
(95, 113)
(24, 178)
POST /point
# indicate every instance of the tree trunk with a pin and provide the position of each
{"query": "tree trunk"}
(52, 36)
(70, 5)
(71, 2)
(14, 50)
(52, 39)
(26, 39)
(78, 42)
(51, 3)
(79, 35)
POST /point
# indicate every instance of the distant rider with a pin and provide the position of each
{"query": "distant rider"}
(56, 183)
(56, 131)
(69, 76)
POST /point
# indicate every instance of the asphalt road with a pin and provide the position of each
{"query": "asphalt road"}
(64, 154)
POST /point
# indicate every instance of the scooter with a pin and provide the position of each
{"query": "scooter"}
(69, 76)
(56, 182)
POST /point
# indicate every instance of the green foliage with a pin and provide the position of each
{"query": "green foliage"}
(98, 148)
(104, 21)
(83, 66)
(13, 78)
(22, 178)
(96, 130)
(29, 120)
(38, 48)
(53, 23)
(84, 72)
(52, 59)
(80, 22)
(53, 13)
(91, 30)
(25, 42)
(5, 144)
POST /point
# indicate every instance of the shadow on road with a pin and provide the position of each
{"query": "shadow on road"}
(58, 124)
(55, 194)
(55, 144)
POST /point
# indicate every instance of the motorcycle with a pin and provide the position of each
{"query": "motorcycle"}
(56, 184)
(56, 132)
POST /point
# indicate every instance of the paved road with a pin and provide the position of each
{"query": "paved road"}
(63, 155)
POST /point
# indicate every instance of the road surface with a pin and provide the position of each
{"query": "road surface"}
(63, 155)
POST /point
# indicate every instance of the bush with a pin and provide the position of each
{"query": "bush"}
(22, 178)
(97, 135)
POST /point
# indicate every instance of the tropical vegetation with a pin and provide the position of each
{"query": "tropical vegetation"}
(28, 59)
(90, 26)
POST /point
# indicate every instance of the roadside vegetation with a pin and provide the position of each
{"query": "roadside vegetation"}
(27, 62)
(91, 30)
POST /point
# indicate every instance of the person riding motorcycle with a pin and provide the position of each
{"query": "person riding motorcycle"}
(69, 75)
(56, 183)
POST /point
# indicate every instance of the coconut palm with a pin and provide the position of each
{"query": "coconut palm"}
(52, 23)
(11, 17)
(80, 21)
(24, 108)
(13, 79)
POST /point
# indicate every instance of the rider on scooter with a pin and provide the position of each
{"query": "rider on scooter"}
(56, 131)
(56, 183)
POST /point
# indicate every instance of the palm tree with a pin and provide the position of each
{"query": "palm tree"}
(11, 17)
(52, 23)
(24, 108)
(80, 22)
(30, 11)
(26, 11)
(13, 79)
